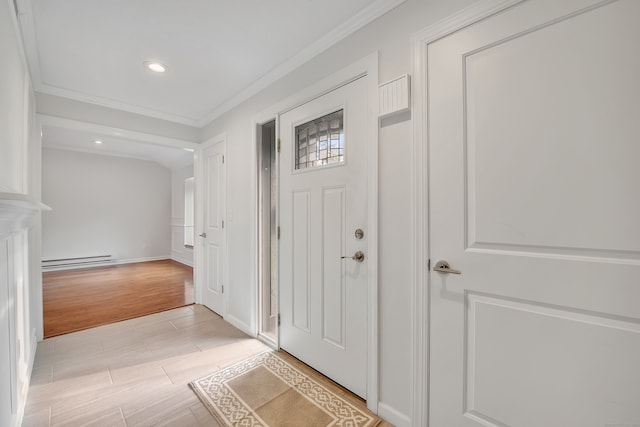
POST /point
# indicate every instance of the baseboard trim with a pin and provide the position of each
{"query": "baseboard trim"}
(182, 260)
(393, 416)
(23, 394)
(240, 325)
(267, 341)
(106, 264)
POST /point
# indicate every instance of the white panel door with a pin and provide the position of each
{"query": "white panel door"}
(213, 235)
(534, 197)
(323, 303)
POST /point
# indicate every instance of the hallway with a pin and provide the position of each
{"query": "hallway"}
(133, 372)
(85, 298)
(136, 372)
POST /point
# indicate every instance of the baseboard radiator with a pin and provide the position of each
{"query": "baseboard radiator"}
(67, 263)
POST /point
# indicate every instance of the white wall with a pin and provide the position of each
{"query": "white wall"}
(20, 281)
(105, 205)
(12, 108)
(178, 251)
(391, 37)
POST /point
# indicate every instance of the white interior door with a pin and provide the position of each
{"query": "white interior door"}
(533, 147)
(323, 201)
(212, 235)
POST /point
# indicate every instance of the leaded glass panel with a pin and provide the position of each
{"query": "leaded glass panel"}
(320, 141)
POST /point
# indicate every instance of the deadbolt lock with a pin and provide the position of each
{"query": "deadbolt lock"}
(359, 234)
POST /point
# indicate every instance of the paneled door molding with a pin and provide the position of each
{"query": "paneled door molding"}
(210, 245)
(420, 310)
(367, 66)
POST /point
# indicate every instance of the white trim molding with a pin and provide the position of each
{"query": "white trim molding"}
(355, 23)
(367, 66)
(244, 327)
(77, 125)
(198, 252)
(363, 18)
(420, 309)
(108, 263)
(257, 122)
(394, 417)
(15, 211)
(183, 257)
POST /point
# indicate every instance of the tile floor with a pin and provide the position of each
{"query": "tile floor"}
(135, 372)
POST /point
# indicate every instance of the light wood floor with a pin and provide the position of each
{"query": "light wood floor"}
(74, 300)
(135, 372)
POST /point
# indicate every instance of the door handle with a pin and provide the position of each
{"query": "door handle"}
(358, 257)
(443, 267)
(203, 235)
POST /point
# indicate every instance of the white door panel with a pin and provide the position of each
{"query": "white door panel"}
(323, 301)
(213, 237)
(533, 175)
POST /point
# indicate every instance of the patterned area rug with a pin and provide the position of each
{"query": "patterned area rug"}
(266, 390)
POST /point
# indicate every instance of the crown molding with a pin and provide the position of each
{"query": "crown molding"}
(32, 56)
(60, 122)
(49, 89)
(364, 17)
(26, 30)
(63, 147)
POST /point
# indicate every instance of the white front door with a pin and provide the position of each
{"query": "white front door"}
(534, 196)
(323, 201)
(212, 235)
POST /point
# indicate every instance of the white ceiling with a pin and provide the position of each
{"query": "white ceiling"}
(218, 52)
(81, 140)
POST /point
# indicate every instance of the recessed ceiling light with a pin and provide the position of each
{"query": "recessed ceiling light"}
(156, 67)
(97, 141)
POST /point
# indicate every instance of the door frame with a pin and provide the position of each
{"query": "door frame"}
(199, 276)
(366, 66)
(104, 130)
(258, 124)
(421, 239)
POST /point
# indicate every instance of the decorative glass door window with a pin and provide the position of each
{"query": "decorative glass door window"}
(320, 141)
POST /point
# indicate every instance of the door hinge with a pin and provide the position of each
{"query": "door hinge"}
(278, 319)
(278, 148)
(223, 159)
(429, 264)
(223, 223)
(278, 232)
(223, 289)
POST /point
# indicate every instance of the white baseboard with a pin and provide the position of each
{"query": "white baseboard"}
(267, 341)
(24, 393)
(393, 416)
(32, 356)
(240, 325)
(134, 260)
(176, 257)
(105, 264)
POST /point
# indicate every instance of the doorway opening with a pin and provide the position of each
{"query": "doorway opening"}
(267, 231)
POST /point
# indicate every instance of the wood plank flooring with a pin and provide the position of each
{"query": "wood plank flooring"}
(135, 372)
(74, 300)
